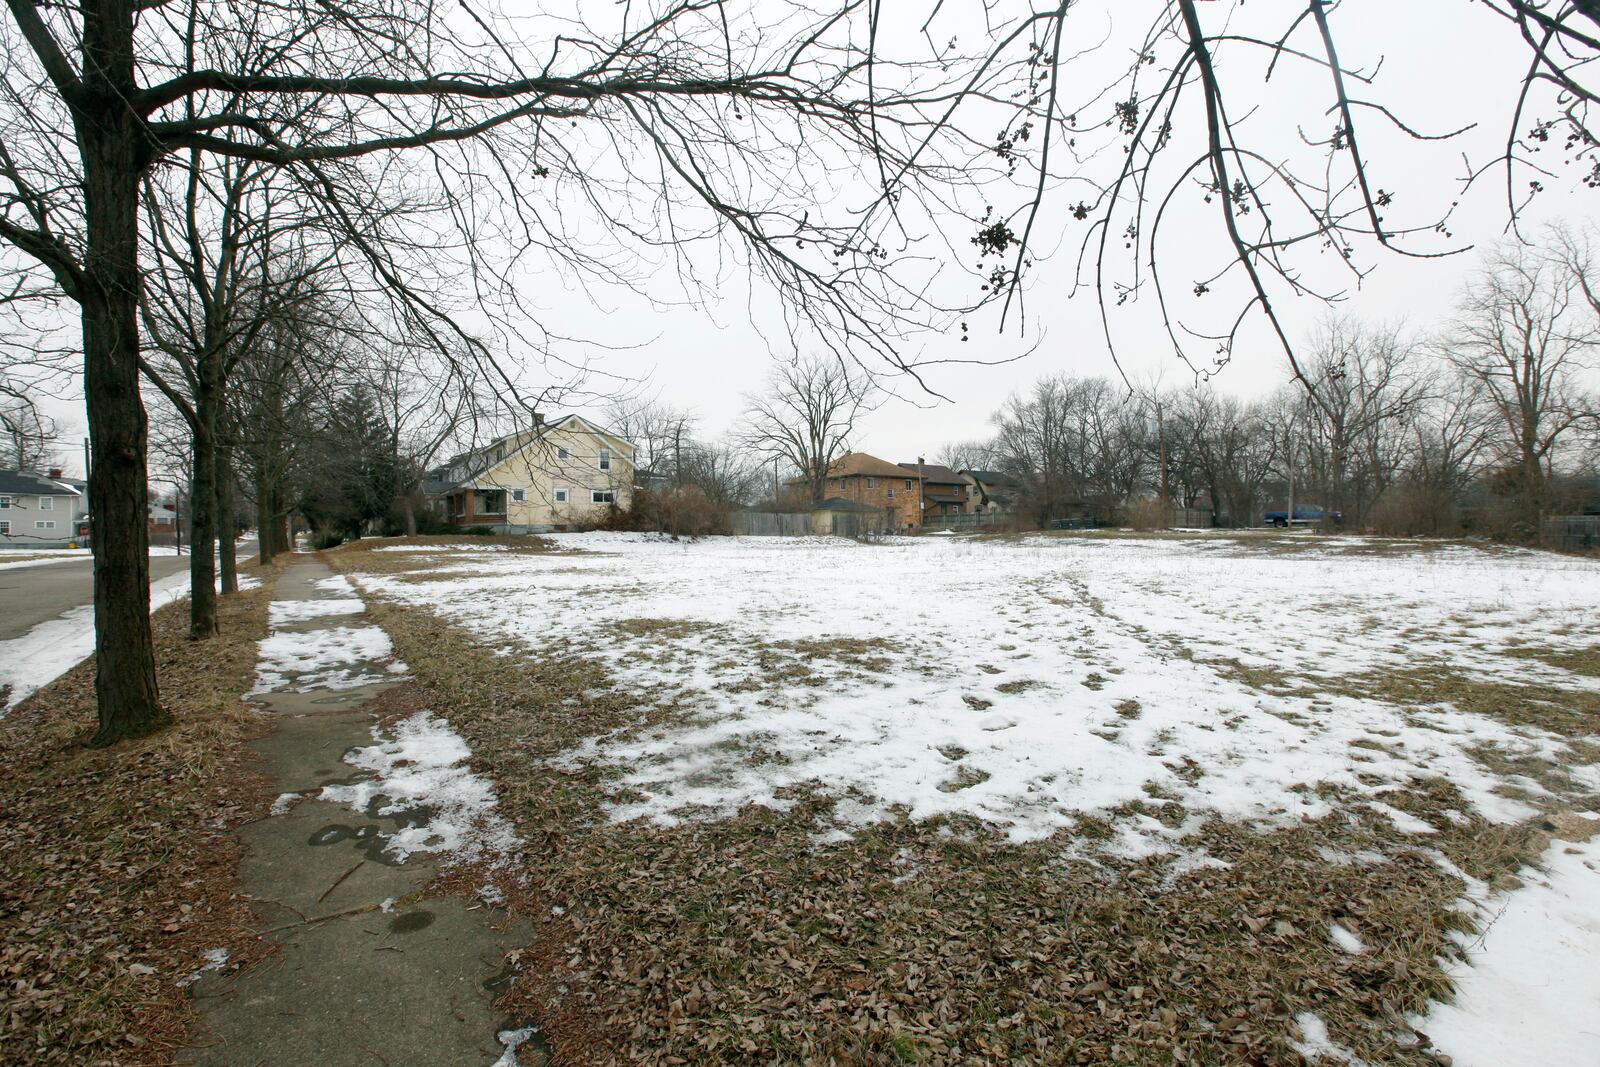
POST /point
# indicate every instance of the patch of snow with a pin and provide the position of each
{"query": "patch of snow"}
(1529, 995)
(338, 583)
(1405, 822)
(280, 612)
(215, 960)
(422, 766)
(1348, 942)
(1317, 1047)
(54, 647)
(44, 559)
(283, 803)
(336, 657)
(512, 1040)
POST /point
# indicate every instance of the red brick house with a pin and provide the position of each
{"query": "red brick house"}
(944, 492)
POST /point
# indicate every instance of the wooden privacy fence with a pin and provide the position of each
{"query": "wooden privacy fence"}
(771, 523)
(1571, 533)
(961, 522)
(865, 523)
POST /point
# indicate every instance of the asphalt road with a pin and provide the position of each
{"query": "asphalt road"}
(38, 594)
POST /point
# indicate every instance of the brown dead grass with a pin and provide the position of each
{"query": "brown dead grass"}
(745, 940)
(364, 553)
(121, 859)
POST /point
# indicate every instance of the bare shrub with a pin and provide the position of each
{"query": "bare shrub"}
(1146, 514)
(682, 512)
(1406, 510)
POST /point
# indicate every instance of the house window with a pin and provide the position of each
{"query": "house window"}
(872, 483)
(499, 453)
(5, 527)
(891, 494)
(45, 524)
(518, 494)
(562, 453)
(910, 484)
(561, 496)
(603, 496)
(605, 459)
(491, 502)
(5, 502)
(47, 503)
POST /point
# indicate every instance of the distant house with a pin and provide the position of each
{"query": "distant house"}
(944, 492)
(38, 511)
(863, 479)
(993, 493)
(163, 518)
(560, 474)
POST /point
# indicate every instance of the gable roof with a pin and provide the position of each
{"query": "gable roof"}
(934, 472)
(478, 461)
(995, 478)
(20, 483)
(859, 463)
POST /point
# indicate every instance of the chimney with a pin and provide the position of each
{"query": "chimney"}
(55, 472)
(920, 461)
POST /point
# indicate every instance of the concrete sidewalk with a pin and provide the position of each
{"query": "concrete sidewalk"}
(358, 979)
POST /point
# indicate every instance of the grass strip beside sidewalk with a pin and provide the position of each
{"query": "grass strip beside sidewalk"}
(769, 938)
(117, 864)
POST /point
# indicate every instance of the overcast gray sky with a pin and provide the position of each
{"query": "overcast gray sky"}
(1445, 64)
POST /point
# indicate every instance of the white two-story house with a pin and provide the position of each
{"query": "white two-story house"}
(563, 473)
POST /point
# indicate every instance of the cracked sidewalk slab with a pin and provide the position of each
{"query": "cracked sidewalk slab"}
(358, 979)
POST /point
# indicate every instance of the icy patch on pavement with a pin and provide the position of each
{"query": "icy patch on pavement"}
(512, 1040)
(423, 768)
(338, 583)
(1529, 995)
(280, 612)
(338, 657)
(216, 959)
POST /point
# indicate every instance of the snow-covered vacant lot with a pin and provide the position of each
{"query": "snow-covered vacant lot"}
(1030, 682)
(1081, 690)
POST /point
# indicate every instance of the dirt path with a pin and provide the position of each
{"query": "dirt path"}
(357, 978)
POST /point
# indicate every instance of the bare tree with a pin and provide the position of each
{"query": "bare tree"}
(659, 434)
(725, 472)
(806, 417)
(97, 93)
(966, 455)
(1362, 390)
(30, 436)
(1523, 336)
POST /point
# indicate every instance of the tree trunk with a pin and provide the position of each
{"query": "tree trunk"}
(266, 542)
(109, 140)
(203, 515)
(227, 558)
(408, 505)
